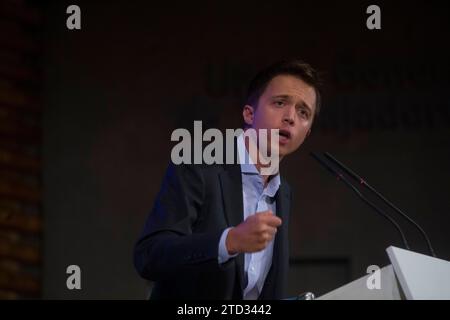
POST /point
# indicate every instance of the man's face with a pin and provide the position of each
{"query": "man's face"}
(287, 104)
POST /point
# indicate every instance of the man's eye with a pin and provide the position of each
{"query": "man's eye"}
(279, 103)
(303, 113)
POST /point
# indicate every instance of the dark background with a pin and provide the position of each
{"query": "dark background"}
(114, 91)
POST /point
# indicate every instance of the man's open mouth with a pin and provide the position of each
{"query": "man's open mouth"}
(285, 134)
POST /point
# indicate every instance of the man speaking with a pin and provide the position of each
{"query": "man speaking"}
(220, 231)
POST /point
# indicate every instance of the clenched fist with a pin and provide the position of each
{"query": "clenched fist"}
(254, 234)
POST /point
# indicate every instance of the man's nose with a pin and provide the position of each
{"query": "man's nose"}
(289, 115)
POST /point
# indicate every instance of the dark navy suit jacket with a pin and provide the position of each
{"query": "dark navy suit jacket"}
(178, 248)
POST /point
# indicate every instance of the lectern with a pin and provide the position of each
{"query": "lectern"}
(411, 276)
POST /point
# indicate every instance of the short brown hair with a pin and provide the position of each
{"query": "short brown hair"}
(294, 67)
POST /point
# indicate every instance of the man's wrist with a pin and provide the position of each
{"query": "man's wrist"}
(229, 243)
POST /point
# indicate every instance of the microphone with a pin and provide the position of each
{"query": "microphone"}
(380, 196)
(341, 177)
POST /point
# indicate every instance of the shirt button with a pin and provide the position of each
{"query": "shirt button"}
(252, 268)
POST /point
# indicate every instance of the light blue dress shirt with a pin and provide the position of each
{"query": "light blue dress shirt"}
(256, 198)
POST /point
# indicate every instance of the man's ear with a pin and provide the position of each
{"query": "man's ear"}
(248, 114)
(308, 133)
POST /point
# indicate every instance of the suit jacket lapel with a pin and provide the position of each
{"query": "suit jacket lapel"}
(231, 182)
(275, 283)
(283, 201)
